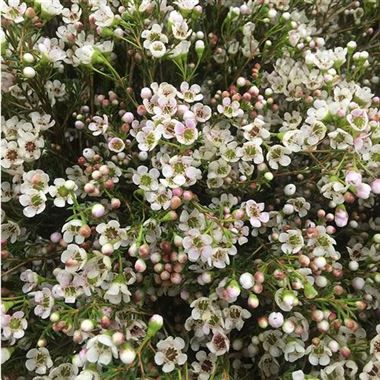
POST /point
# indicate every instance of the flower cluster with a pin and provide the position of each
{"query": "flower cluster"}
(190, 189)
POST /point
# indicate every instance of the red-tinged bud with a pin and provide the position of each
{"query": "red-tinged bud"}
(85, 231)
(105, 322)
(144, 251)
(262, 322)
(175, 202)
(345, 352)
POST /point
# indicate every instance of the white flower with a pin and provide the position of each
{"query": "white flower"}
(169, 353)
(255, 213)
(154, 35)
(10, 231)
(256, 131)
(88, 374)
(74, 258)
(278, 154)
(116, 145)
(51, 7)
(31, 280)
(149, 136)
(186, 5)
(269, 366)
(285, 299)
(62, 193)
(13, 326)
(186, 133)
(179, 171)
(111, 233)
(251, 151)
(197, 245)
(218, 169)
(294, 350)
(230, 108)
(204, 366)
(294, 139)
(11, 154)
(30, 146)
(180, 30)
(220, 256)
(117, 292)
(33, 202)
(234, 317)
(104, 16)
(334, 190)
(5, 354)
(219, 344)
(147, 181)
(190, 94)
(71, 231)
(52, 51)
(375, 346)
(84, 54)
(44, 303)
(165, 108)
(55, 90)
(72, 15)
(159, 199)
(319, 355)
(300, 205)
(201, 112)
(358, 119)
(231, 152)
(273, 342)
(314, 133)
(41, 122)
(292, 241)
(158, 49)
(371, 371)
(100, 349)
(13, 10)
(99, 125)
(8, 191)
(342, 370)
(65, 371)
(193, 220)
(38, 360)
(10, 127)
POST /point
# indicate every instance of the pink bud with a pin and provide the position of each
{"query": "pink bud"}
(177, 192)
(276, 320)
(141, 110)
(239, 214)
(146, 93)
(363, 190)
(140, 266)
(55, 237)
(98, 210)
(341, 217)
(188, 195)
(115, 203)
(353, 178)
(253, 301)
(128, 117)
(175, 202)
(263, 322)
(375, 185)
(89, 188)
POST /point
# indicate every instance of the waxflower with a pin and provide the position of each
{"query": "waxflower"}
(169, 353)
(38, 360)
(255, 213)
(186, 169)
(101, 350)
